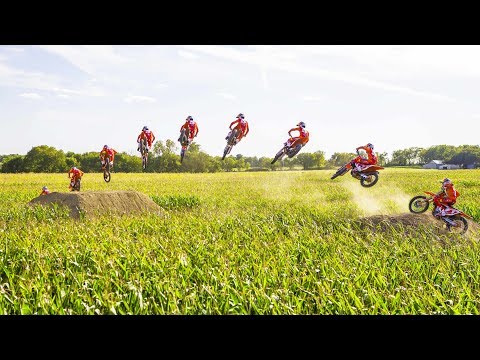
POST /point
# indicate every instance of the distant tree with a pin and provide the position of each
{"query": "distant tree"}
(382, 158)
(437, 152)
(89, 162)
(128, 163)
(45, 159)
(253, 161)
(339, 159)
(229, 163)
(307, 160)
(167, 156)
(319, 159)
(215, 164)
(466, 155)
(12, 164)
(407, 157)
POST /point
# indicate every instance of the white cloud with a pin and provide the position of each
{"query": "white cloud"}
(314, 98)
(139, 99)
(227, 95)
(91, 59)
(13, 49)
(187, 54)
(12, 77)
(285, 63)
(33, 96)
(64, 96)
(265, 80)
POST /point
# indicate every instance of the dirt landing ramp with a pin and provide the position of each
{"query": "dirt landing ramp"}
(412, 222)
(95, 203)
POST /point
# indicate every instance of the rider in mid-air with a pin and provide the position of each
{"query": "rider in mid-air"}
(445, 198)
(241, 125)
(191, 128)
(107, 152)
(359, 163)
(148, 135)
(302, 138)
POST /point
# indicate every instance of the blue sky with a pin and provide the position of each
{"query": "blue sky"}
(78, 98)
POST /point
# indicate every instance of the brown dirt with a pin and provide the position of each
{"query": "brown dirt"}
(95, 203)
(412, 222)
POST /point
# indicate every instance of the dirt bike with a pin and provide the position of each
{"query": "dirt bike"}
(76, 185)
(184, 135)
(106, 170)
(454, 219)
(287, 150)
(231, 142)
(144, 152)
(368, 176)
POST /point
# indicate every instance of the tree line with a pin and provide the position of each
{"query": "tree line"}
(164, 157)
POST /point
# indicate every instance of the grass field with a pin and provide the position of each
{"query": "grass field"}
(237, 243)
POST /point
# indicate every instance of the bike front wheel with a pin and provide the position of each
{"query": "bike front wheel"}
(226, 151)
(418, 204)
(278, 155)
(106, 176)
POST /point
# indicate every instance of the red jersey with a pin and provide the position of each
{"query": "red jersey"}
(242, 124)
(192, 127)
(147, 134)
(449, 195)
(108, 152)
(76, 173)
(303, 133)
(372, 158)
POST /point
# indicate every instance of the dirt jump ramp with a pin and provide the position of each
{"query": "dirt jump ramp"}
(96, 203)
(412, 223)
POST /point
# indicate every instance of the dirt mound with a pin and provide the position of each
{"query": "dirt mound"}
(94, 203)
(411, 222)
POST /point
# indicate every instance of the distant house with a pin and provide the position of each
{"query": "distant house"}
(449, 167)
(434, 164)
(440, 165)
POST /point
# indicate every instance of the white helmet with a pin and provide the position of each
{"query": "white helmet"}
(446, 182)
(301, 124)
(44, 188)
(145, 128)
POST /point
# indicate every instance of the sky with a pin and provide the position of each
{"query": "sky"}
(81, 97)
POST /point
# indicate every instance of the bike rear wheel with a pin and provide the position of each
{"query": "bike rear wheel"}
(294, 151)
(418, 204)
(460, 227)
(232, 138)
(370, 180)
(76, 186)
